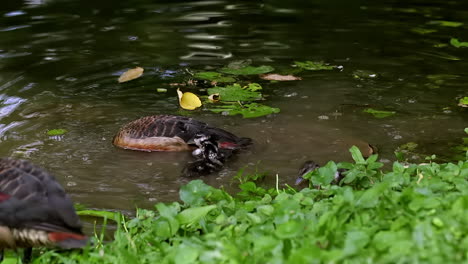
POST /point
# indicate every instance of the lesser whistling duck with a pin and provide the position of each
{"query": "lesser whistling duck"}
(171, 133)
(35, 211)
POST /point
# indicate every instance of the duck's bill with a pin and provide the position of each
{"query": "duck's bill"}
(299, 180)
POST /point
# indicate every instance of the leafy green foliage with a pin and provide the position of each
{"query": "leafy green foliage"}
(248, 70)
(414, 214)
(379, 113)
(313, 65)
(457, 44)
(214, 77)
(56, 132)
(250, 110)
(235, 93)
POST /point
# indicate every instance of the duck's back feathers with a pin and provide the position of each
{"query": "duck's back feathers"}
(34, 204)
(171, 133)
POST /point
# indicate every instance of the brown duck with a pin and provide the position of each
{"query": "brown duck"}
(172, 133)
(35, 211)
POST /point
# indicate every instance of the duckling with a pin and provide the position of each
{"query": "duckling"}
(35, 211)
(209, 157)
(310, 166)
(172, 133)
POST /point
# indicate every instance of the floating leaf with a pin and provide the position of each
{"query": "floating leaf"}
(214, 98)
(279, 77)
(131, 74)
(161, 90)
(248, 70)
(253, 87)
(234, 93)
(463, 102)
(313, 65)
(379, 113)
(247, 110)
(457, 44)
(423, 31)
(56, 132)
(188, 100)
(446, 23)
(214, 77)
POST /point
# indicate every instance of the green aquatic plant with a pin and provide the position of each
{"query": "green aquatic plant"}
(214, 77)
(379, 113)
(248, 70)
(313, 65)
(458, 44)
(56, 132)
(249, 110)
(236, 92)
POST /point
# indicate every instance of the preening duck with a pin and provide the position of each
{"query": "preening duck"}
(172, 133)
(35, 211)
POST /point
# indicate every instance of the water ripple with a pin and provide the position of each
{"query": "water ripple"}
(9, 104)
(200, 55)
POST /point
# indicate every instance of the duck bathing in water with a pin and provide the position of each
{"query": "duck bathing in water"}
(35, 211)
(211, 146)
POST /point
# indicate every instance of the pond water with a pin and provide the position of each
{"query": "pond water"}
(60, 60)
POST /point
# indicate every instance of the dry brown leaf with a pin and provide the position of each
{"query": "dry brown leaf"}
(279, 77)
(131, 74)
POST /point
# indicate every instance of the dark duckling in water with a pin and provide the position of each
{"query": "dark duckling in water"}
(35, 211)
(172, 133)
(310, 166)
(209, 157)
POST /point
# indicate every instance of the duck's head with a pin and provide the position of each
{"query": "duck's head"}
(308, 166)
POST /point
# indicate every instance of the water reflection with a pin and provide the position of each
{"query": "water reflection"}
(8, 104)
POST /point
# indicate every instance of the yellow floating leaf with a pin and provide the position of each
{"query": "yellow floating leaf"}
(188, 101)
(131, 74)
(279, 77)
(214, 98)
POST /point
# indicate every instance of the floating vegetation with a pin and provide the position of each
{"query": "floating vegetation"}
(445, 23)
(379, 113)
(56, 132)
(248, 70)
(236, 93)
(423, 31)
(463, 102)
(313, 65)
(457, 44)
(213, 77)
(250, 110)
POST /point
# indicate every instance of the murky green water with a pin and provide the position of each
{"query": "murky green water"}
(59, 61)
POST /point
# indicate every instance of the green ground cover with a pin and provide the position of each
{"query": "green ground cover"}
(411, 214)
